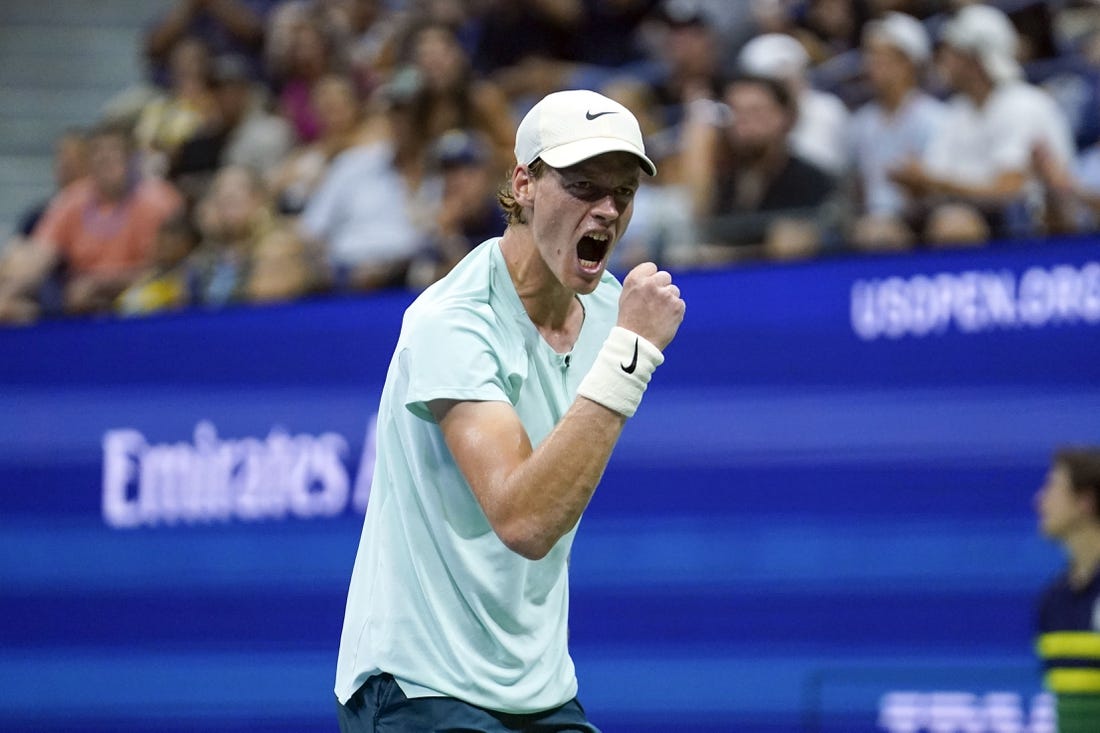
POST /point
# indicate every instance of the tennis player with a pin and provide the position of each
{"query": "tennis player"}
(511, 381)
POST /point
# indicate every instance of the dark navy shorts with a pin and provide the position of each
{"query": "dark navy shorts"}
(379, 706)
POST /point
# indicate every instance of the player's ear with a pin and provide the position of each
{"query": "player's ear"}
(523, 182)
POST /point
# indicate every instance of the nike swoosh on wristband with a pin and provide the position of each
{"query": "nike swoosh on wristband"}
(590, 116)
(629, 368)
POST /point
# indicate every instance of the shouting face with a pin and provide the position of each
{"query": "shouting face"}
(579, 213)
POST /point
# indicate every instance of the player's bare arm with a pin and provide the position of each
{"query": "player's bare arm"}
(531, 497)
(534, 496)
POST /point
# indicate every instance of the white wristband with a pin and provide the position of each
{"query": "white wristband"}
(621, 372)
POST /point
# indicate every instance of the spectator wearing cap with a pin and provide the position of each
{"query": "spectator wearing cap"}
(975, 180)
(896, 125)
(821, 130)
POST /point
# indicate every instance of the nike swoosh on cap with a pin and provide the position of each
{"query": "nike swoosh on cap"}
(589, 116)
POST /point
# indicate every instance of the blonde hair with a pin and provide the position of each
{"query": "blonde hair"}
(513, 212)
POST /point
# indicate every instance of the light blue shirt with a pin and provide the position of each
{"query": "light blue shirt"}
(881, 141)
(436, 599)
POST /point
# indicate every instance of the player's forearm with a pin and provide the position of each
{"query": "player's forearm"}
(548, 492)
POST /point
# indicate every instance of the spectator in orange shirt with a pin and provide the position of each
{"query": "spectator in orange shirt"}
(97, 234)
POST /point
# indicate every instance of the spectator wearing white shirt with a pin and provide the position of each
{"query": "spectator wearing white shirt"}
(975, 179)
(363, 215)
(897, 124)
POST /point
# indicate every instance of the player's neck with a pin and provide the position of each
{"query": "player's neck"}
(551, 306)
(546, 299)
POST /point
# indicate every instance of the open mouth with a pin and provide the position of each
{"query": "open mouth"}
(592, 249)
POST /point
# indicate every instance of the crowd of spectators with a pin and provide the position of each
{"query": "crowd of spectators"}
(286, 148)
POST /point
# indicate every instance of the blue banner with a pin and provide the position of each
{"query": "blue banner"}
(820, 518)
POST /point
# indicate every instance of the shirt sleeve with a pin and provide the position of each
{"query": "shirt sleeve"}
(451, 355)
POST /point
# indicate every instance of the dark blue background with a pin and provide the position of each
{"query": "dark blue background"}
(795, 523)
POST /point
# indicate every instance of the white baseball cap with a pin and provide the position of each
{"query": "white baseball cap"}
(987, 33)
(903, 32)
(774, 55)
(567, 127)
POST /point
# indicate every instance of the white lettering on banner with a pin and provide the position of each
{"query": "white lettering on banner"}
(975, 301)
(216, 480)
(964, 712)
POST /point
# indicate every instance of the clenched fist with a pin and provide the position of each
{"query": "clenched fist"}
(650, 305)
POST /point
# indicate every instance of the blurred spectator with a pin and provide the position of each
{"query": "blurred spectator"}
(468, 212)
(690, 60)
(282, 269)
(176, 114)
(608, 34)
(736, 23)
(608, 41)
(1033, 20)
(242, 133)
(168, 282)
(829, 28)
(311, 52)
(754, 195)
(1071, 192)
(773, 16)
(892, 128)
(340, 113)
(821, 130)
(527, 47)
(367, 31)
(70, 163)
(99, 231)
(442, 93)
(234, 217)
(19, 257)
(975, 180)
(1072, 74)
(365, 215)
(225, 26)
